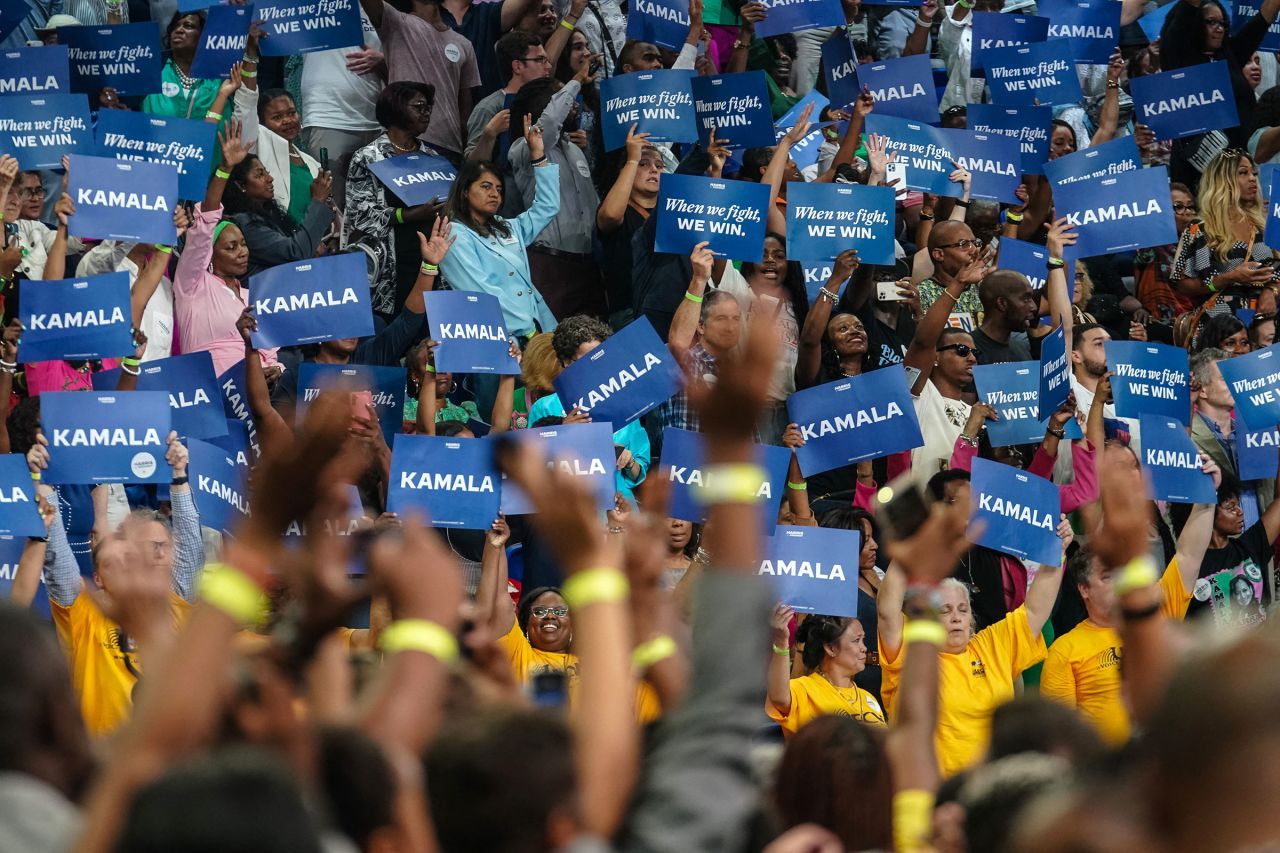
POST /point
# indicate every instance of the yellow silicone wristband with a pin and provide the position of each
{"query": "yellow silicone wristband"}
(420, 635)
(400, 215)
(692, 298)
(226, 176)
(234, 593)
(913, 819)
(924, 631)
(596, 586)
(248, 75)
(653, 651)
(166, 250)
(568, 26)
(731, 484)
(1139, 573)
(35, 476)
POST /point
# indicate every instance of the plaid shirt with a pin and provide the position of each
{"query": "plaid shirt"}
(698, 363)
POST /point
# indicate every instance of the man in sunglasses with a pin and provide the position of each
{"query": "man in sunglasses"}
(1009, 308)
(952, 247)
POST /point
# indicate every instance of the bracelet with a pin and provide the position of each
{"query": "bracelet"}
(832, 297)
(248, 75)
(960, 203)
(420, 635)
(35, 476)
(136, 371)
(179, 481)
(248, 58)
(1209, 285)
(212, 115)
(164, 250)
(739, 44)
(946, 292)
(926, 217)
(1059, 433)
(1056, 263)
(131, 361)
(1113, 84)
(633, 162)
(799, 487)
(1010, 216)
(782, 651)
(924, 630)
(604, 585)
(1141, 613)
(972, 442)
(564, 22)
(653, 651)
(234, 593)
(615, 529)
(429, 368)
(226, 176)
(964, 5)
(1138, 573)
(429, 269)
(692, 298)
(734, 483)
(400, 215)
(539, 161)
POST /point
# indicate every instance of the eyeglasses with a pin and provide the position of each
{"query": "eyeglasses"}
(1179, 207)
(1215, 24)
(975, 243)
(419, 106)
(30, 192)
(962, 350)
(542, 612)
(542, 59)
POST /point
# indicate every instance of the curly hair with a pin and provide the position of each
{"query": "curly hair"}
(575, 331)
(1220, 200)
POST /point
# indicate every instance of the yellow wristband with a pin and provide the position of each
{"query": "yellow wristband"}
(234, 593)
(692, 298)
(1139, 573)
(653, 651)
(420, 635)
(797, 487)
(429, 269)
(226, 176)
(924, 631)
(248, 75)
(782, 651)
(913, 820)
(400, 215)
(739, 484)
(35, 476)
(564, 22)
(595, 586)
(164, 250)
(1015, 218)
(212, 115)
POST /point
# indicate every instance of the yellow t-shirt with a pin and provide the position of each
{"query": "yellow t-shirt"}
(1082, 669)
(972, 684)
(813, 696)
(98, 663)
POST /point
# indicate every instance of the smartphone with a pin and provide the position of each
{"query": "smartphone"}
(887, 291)
(897, 170)
(596, 65)
(901, 507)
(550, 689)
(324, 159)
(360, 403)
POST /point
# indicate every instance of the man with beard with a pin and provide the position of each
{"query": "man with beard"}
(1088, 365)
(1009, 309)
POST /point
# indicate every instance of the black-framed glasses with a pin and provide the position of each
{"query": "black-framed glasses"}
(542, 59)
(1215, 24)
(975, 243)
(962, 350)
(1179, 207)
(541, 612)
(31, 192)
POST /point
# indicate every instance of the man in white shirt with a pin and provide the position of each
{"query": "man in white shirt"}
(1088, 365)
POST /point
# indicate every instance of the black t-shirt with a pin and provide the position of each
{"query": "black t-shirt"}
(994, 352)
(482, 26)
(615, 250)
(1228, 573)
(885, 344)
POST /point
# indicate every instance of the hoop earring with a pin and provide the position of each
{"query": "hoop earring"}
(453, 387)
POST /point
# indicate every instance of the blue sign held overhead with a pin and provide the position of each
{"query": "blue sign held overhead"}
(1254, 382)
(470, 329)
(661, 22)
(235, 403)
(13, 13)
(1055, 374)
(1028, 126)
(1043, 72)
(40, 129)
(929, 152)
(840, 69)
(452, 480)
(1091, 27)
(622, 378)
(19, 515)
(416, 178)
(849, 420)
(116, 200)
(101, 437)
(737, 106)
(584, 451)
(1257, 453)
(1185, 102)
(191, 386)
(1097, 161)
(35, 70)
(684, 458)
(1271, 235)
(310, 301)
(219, 485)
(792, 16)
(903, 87)
(994, 161)
(386, 387)
(306, 26)
(1032, 260)
(1173, 463)
(185, 144)
(1150, 379)
(824, 220)
(125, 57)
(814, 569)
(1012, 389)
(994, 30)
(81, 318)
(1019, 512)
(1242, 12)
(659, 103)
(1131, 210)
(222, 40)
(730, 215)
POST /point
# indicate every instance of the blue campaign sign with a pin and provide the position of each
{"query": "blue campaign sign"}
(1019, 512)
(805, 152)
(1185, 102)
(792, 16)
(310, 301)
(386, 386)
(903, 87)
(35, 70)
(814, 569)
(849, 420)
(1173, 462)
(219, 485)
(1153, 22)
(235, 403)
(661, 22)
(659, 103)
(305, 26)
(40, 129)
(623, 378)
(185, 144)
(118, 200)
(452, 480)
(730, 215)
(1091, 27)
(471, 333)
(840, 69)
(823, 220)
(236, 440)
(814, 97)
(684, 455)
(1030, 259)
(1254, 382)
(994, 161)
(13, 13)
(1244, 11)
(75, 318)
(1256, 452)
(125, 57)
(1055, 373)
(1044, 72)
(816, 277)
(584, 451)
(1012, 389)
(19, 515)
(222, 41)
(1271, 235)
(192, 387)
(1028, 126)
(921, 149)
(1097, 161)
(737, 106)
(994, 30)
(106, 437)
(1131, 210)
(1150, 379)
(416, 178)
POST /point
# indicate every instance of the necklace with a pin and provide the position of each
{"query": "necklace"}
(843, 692)
(184, 79)
(398, 148)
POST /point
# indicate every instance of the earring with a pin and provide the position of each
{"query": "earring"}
(453, 387)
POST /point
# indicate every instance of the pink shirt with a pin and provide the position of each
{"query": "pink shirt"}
(205, 309)
(61, 376)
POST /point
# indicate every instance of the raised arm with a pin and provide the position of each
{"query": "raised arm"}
(777, 169)
(55, 268)
(1043, 592)
(560, 38)
(234, 150)
(504, 402)
(922, 351)
(780, 661)
(274, 434)
(188, 545)
(148, 280)
(684, 325)
(494, 607)
(1109, 119)
(809, 357)
(918, 41)
(614, 207)
(1061, 235)
(752, 13)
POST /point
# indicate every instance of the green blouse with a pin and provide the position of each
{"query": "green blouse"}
(299, 191)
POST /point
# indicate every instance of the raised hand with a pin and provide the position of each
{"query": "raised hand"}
(64, 208)
(800, 129)
(961, 176)
(1061, 234)
(435, 247)
(702, 260)
(865, 103)
(533, 138)
(234, 148)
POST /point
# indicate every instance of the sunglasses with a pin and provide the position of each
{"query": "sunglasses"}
(962, 350)
(963, 244)
(951, 112)
(542, 612)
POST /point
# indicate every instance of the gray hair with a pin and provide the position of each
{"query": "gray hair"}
(1202, 364)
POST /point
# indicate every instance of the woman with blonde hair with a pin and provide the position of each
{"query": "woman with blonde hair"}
(538, 369)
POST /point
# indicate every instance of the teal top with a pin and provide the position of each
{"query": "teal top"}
(299, 191)
(173, 100)
(632, 437)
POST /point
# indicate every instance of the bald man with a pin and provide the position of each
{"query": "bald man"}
(951, 247)
(1009, 310)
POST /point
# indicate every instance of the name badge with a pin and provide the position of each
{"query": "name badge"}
(509, 240)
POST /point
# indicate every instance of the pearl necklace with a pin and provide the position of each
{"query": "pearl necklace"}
(186, 81)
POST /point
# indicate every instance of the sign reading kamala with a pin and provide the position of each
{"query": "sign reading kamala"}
(125, 57)
(1173, 462)
(384, 384)
(304, 26)
(840, 69)
(116, 200)
(219, 485)
(902, 87)
(1012, 389)
(1097, 161)
(222, 40)
(1019, 512)
(452, 480)
(737, 106)
(1185, 102)
(100, 437)
(192, 388)
(684, 455)
(1256, 452)
(1254, 383)
(623, 378)
(1055, 374)
(35, 70)
(19, 515)
(823, 220)
(849, 420)
(1131, 210)
(581, 450)
(928, 153)
(659, 103)
(727, 214)
(1028, 126)
(1091, 27)
(1043, 73)
(40, 129)
(793, 16)
(661, 22)
(182, 143)
(814, 569)
(75, 318)
(415, 178)
(471, 333)
(310, 301)
(1150, 379)
(993, 30)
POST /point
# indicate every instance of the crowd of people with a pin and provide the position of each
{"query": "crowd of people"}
(323, 674)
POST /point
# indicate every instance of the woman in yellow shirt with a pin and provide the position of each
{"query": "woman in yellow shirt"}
(834, 651)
